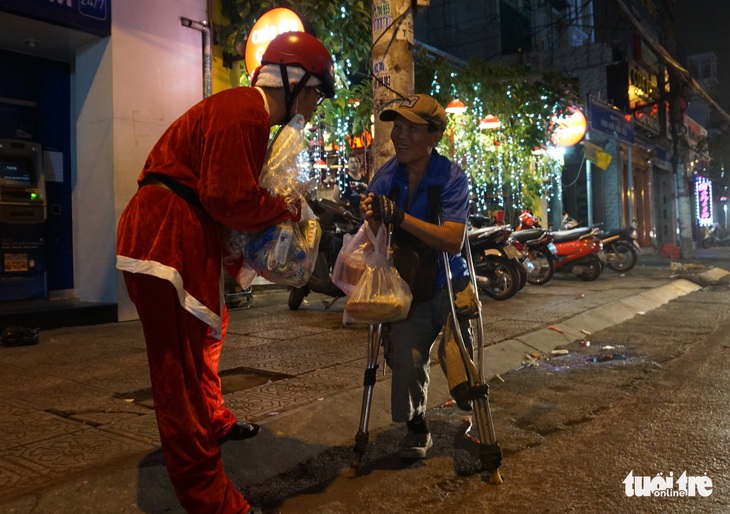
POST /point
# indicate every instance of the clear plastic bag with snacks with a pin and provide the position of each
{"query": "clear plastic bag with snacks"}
(380, 295)
(285, 253)
(350, 263)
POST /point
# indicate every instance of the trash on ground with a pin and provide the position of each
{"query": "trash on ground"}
(560, 352)
(20, 336)
(553, 327)
(468, 433)
(686, 266)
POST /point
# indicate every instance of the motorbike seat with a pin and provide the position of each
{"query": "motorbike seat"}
(562, 236)
(529, 234)
(485, 233)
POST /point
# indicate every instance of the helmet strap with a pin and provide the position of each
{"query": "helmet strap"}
(290, 95)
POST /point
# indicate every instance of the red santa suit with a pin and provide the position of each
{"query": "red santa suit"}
(169, 249)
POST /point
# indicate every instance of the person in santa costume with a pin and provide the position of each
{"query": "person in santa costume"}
(201, 177)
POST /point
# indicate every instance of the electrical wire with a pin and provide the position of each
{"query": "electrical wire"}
(669, 59)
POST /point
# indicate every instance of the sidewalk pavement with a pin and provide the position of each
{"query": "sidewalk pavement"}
(78, 432)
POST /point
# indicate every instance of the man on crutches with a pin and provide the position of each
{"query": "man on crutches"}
(410, 193)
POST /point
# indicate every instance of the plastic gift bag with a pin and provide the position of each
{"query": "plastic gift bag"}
(380, 295)
(350, 263)
(281, 175)
(285, 253)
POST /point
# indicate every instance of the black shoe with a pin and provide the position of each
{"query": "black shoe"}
(460, 393)
(240, 431)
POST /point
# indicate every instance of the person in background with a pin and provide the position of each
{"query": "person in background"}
(200, 177)
(356, 184)
(410, 192)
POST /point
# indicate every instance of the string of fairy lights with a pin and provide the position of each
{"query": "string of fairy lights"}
(498, 159)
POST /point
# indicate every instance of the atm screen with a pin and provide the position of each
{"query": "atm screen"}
(16, 172)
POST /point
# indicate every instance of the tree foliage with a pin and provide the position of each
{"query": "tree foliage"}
(344, 28)
(508, 164)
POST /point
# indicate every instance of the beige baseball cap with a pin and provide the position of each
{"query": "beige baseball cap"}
(420, 109)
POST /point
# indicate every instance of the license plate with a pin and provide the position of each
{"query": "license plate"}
(602, 256)
(553, 248)
(529, 265)
(511, 252)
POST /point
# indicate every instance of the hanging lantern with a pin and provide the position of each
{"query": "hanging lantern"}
(456, 106)
(489, 122)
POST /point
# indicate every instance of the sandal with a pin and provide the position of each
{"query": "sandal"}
(240, 431)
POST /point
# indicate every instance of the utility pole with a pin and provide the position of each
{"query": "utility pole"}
(392, 67)
(678, 132)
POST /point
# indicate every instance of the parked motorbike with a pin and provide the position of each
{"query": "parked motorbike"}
(715, 238)
(530, 237)
(335, 221)
(497, 262)
(621, 247)
(541, 251)
(579, 251)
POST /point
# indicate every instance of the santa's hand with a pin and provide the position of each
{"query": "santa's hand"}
(384, 209)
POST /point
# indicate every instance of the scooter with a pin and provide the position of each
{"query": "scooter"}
(621, 247)
(530, 237)
(335, 221)
(713, 237)
(498, 264)
(579, 251)
(541, 251)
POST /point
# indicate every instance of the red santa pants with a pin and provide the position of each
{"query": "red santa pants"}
(176, 342)
(221, 418)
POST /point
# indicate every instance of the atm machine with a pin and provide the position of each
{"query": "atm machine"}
(22, 221)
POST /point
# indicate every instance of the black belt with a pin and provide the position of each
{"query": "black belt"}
(181, 190)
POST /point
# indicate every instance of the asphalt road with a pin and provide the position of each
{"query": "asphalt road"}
(572, 429)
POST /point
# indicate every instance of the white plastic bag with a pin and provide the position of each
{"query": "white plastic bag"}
(380, 295)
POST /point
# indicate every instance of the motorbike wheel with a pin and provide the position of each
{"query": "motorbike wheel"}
(498, 277)
(593, 268)
(708, 242)
(620, 256)
(544, 267)
(522, 274)
(296, 297)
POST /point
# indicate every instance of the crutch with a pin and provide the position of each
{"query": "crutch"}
(375, 333)
(375, 340)
(490, 454)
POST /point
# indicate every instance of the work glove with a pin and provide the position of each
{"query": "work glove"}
(384, 209)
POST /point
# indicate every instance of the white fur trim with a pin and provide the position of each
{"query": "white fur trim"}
(270, 76)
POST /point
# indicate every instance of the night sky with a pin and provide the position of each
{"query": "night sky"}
(704, 26)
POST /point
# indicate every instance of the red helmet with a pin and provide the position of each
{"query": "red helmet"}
(304, 51)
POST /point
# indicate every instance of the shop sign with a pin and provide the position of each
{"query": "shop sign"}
(695, 131)
(643, 89)
(703, 201)
(569, 129)
(272, 23)
(611, 121)
(91, 16)
(361, 141)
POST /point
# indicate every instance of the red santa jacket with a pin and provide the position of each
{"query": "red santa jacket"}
(217, 149)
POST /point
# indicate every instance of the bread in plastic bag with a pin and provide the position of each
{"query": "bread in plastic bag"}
(350, 263)
(285, 253)
(380, 295)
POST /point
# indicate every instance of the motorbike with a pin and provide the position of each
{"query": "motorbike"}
(579, 251)
(335, 221)
(537, 242)
(497, 263)
(621, 247)
(715, 238)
